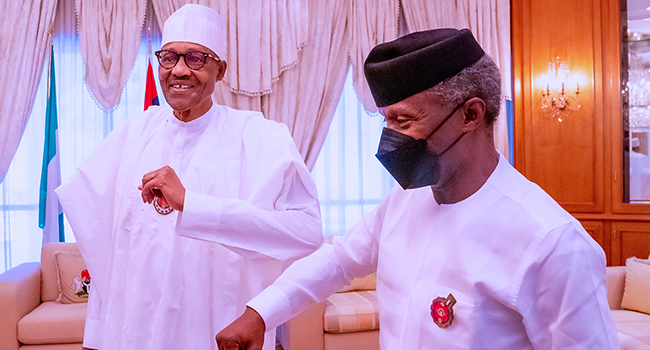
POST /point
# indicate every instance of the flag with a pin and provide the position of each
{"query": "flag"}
(50, 214)
(150, 92)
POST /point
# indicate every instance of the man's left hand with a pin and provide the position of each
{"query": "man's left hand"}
(164, 184)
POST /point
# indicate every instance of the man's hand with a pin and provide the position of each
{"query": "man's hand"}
(164, 184)
(246, 332)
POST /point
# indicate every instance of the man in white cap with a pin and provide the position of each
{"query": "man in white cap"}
(187, 211)
(468, 253)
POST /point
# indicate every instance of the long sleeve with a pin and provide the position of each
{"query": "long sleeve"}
(562, 297)
(273, 209)
(316, 277)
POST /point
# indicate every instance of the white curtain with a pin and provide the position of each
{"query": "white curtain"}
(489, 21)
(109, 32)
(26, 28)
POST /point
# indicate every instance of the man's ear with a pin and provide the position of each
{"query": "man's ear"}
(474, 115)
(223, 65)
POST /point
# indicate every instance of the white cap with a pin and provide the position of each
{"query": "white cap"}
(196, 24)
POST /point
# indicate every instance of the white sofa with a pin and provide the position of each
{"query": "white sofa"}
(633, 327)
(29, 317)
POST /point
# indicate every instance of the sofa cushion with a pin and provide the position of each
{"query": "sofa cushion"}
(637, 285)
(52, 323)
(351, 312)
(49, 278)
(633, 329)
(74, 279)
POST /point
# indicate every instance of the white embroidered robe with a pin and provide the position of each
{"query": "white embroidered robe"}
(174, 281)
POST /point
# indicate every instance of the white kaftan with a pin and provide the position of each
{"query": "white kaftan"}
(524, 272)
(247, 190)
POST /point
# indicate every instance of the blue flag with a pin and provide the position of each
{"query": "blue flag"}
(50, 214)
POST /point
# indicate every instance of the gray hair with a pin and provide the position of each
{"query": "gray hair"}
(482, 80)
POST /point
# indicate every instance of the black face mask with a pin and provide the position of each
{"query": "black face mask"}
(409, 160)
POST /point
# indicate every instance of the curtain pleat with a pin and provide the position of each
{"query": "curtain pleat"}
(264, 38)
(302, 91)
(26, 28)
(372, 22)
(306, 97)
(109, 32)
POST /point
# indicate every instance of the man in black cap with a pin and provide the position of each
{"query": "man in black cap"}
(488, 261)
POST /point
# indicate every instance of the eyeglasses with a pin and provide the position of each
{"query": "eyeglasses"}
(193, 59)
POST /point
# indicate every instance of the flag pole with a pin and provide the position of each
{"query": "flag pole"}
(149, 40)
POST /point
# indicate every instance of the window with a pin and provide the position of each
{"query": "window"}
(82, 126)
(350, 179)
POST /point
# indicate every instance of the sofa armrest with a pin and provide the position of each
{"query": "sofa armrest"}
(20, 293)
(615, 286)
(304, 331)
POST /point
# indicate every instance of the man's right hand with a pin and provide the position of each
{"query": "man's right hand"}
(246, 332)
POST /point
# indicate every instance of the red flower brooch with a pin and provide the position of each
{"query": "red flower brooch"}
(161, 206)
(442, 310)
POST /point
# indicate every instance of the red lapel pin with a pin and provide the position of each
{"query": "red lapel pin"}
(442, 310)
(161, 206)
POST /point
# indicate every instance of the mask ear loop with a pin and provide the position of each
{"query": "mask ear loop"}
(452, 144)
(439, 125)
(447, 118)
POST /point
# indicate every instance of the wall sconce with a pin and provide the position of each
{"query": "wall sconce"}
(555, 84)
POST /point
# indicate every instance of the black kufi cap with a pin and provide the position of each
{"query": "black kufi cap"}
(418, 61)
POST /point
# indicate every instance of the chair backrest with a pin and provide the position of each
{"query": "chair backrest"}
(49, 278)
